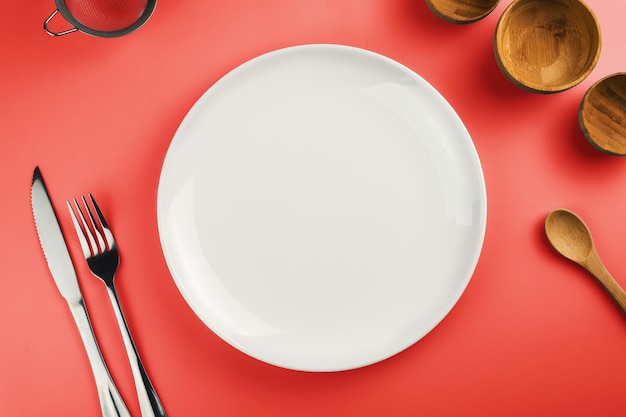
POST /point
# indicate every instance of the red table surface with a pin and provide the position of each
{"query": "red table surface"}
(533, 334)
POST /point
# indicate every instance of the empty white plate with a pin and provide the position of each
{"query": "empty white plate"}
(321, 207)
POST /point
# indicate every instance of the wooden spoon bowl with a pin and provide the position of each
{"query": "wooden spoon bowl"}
(602, 114)
(547, 46)
(462, 11)
(571, 237)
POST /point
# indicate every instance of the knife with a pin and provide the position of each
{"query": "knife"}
(62, 270)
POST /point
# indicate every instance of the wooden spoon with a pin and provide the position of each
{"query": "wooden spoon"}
(570, 236)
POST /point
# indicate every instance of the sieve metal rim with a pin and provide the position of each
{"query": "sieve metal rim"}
(62, 8)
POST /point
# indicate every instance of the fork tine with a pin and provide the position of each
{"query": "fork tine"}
(95, 240)
(80, 230)
(105, 227)
(95, 226)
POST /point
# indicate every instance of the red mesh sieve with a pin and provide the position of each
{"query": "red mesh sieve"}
(106, 15)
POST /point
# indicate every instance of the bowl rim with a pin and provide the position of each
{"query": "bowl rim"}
(537, 87)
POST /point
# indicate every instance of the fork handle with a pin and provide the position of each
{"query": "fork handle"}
(111, 401)
(149, 402)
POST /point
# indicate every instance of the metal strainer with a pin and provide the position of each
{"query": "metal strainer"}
(103, 18)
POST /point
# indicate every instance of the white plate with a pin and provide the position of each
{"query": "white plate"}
(321, 207)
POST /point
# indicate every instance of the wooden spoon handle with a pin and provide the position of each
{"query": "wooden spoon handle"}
(598, 270)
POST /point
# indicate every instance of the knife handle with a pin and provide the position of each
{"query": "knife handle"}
(111, 401)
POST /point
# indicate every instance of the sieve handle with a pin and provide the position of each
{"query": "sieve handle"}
(52, 33)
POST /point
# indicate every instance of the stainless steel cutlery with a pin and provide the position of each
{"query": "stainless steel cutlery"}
(102, 256)
(62, 270)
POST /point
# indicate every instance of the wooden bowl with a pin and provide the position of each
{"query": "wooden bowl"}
(602, 114)
(547, 46)
(462, 11)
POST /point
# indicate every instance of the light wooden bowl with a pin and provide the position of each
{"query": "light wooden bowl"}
(602, 114)
(462, 11)
(547, 46)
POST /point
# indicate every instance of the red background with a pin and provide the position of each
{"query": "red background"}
(532, 335)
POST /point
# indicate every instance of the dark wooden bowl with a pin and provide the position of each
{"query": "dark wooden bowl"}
(547, 46)
(462, 11)
(602, 114)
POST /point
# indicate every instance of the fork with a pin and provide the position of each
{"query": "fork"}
(103, 259)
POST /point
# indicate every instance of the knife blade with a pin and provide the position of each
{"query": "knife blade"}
(62, 270)
(52, 241)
